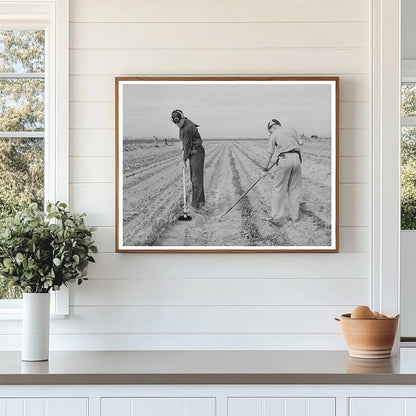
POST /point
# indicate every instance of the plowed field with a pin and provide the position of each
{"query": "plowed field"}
(152, 197)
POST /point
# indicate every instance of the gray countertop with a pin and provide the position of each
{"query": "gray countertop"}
(207, 367)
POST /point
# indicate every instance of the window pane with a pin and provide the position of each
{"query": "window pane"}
(22, 105)
(21, 182)
(21, 173)
(22, 51)
(408, 178)
(408, 99)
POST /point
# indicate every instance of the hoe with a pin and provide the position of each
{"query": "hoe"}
(184, 216)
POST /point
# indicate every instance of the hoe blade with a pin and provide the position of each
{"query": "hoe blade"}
(185, 217)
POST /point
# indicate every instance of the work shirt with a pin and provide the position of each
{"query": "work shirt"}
(283, 140)
(190, 137)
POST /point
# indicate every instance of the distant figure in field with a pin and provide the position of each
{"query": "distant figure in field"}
(155, 140)
(166, 141)
(193, 150)
(288, 173)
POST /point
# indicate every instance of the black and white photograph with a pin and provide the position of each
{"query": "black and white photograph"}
(227, 164)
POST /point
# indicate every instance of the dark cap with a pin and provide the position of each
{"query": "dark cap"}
(273, 122)
(177, 116)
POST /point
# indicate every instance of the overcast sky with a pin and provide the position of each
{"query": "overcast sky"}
(226, 111)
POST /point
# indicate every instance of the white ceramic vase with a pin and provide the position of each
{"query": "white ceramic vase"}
(35, 326)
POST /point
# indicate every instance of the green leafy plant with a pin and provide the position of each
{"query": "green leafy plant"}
(43, 251)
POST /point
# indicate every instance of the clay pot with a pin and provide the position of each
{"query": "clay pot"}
(369, 338)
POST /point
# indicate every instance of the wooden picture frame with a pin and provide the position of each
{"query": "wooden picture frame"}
(232, 116)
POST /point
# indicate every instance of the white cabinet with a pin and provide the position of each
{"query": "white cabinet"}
(382, 406)
(44, 407)
(146, 406)
(281, 406)
(208, 400)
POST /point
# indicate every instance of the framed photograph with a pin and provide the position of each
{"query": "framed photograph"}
(227, 164)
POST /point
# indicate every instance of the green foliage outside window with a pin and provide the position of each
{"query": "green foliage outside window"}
(408, 160)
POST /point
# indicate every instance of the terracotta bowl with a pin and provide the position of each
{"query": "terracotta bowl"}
(369, 338)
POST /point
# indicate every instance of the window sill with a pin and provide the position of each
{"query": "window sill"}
(12, 309)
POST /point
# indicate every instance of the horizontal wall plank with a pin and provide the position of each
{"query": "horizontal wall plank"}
(101, 88)
(148, 342)
(96, 142)
(200, 319)
(352, 239)
(254, 265)
(354, 169)
(354, 142)
(92, 115)
(92, 88)
(87, 115)
(93, 143)
(105, 239)
(231, 61)
(194, 319)
(354, 88)
(218, 11)
(354, 115)
(219, 292)
(354, 205)
(91, 169)
(218, 35)
(96, 199)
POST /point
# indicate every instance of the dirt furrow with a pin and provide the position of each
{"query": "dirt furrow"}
(155, 184)
(153, 201)
(159, 204)
(260, 199)
(207, 228)
(249, 227)
(141, 175)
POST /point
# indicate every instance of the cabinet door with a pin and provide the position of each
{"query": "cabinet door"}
(44, 407)
(382, 407)
(147, 406)
(253, 406)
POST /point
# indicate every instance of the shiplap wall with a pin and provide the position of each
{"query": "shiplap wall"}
(218, 301)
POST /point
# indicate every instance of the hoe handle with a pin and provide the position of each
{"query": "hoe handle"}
(184, 188)
(249, 189)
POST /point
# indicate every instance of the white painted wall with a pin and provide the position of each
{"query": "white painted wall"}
(214, 301)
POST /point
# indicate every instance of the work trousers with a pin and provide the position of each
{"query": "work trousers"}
(287, 182)
(196, 165)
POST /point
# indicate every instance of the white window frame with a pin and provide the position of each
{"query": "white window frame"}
(385, 150)
(53, 17)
